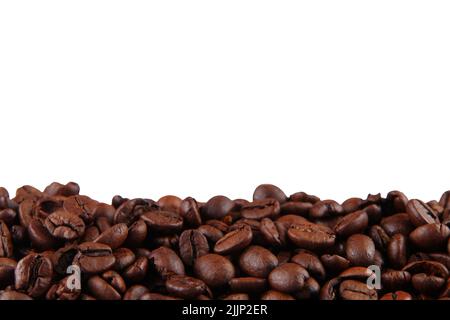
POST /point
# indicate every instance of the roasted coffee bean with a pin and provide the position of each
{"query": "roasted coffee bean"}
(39, 236)
(310, 290)
(7, 268)
(355, 290)
(374, 213)
(192, 244)
(114, 237)
(82, 206)
(130, 210)
(66, 190)
(190, 212)
(185, 287)
(297, 208)
(8, 216)
(211, 233)
(288, 277)
(234, 241)
(396, 202)
(397, 223)
(94, 257)
(14, 295)
(445, 200)
(329, 289)
(431, 236)
(135, 292)
(248, 285)
(215, 270)
(311, 263)
(27, 193)
(326, 208)
(334, 263)
(352, 204)
(165, 261)
(269, 231)
(304, 197)
(217, 207)
(236, 296)
(360, 250)
(6, 243)
(63, 290)
(260, 209)
(427, 284)
(379, 237)
(63, 258)
(276, 295)
(222, 226)
(311, 236)
(137, 270)
(33, 275)
(169, 203)
(398, 295)
(137, 233)
(355, 222)
(19, 234)
(397, 251)
(64, 225)
(421, 213)
(108, 286)
(156, 296)
(395, 279)
(269, 191)
(163, 221)
(257, 261)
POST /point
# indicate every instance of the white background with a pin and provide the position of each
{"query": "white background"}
(146, 98)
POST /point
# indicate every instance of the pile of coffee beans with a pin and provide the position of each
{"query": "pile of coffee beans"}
(56, 244)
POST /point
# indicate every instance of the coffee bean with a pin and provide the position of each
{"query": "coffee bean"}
(169, 203)
(165, 261)
(8, 216)
(269, 191)
(297, 208)
(190, 212)
(62, 291)
(66, 190)
(311, 263)
(311, 236)
(326, 208)
(260, 209)
(130, 211)
(6, 244)
(379, 237)
(217, 207)
(427, 284)
(234, 241)
(193, 244)
(430, 236)
(251, 285)
(236, 296)
(445, 200)
(108, 286)
(137, 270)
(355, 290)
(355, 222)
(40, 237)
(269, 231)
(7, 268)
(211, 233)
(421, 213)
(360, 250)
(352, 204)
(94, 257)
(398, 295)
(288, 277)
(137, 233)
(397, 223)
(114, 237)
(135, 292)
(163, 221)
(397, 251)
(309, 291)
(33, 275)
(396, 202)
(395, 279)
(329, 289)
(13, 295)
(124, 258)
(304, 197)
(257, 261)
(185, 287)
(276, 295)
(64, 225)
(214, 270)
(63, 258)
(334, 264)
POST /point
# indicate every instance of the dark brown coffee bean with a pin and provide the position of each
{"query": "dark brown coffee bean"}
(398, 295)
(105, 211)
(82, 206)
(190, 212)
(289, 277)
(169, 203)
(236, 296)
(396, 202)
(137, 270)
(40, 237)
(355, 290)
(261, 209)
(185, 287)
(193, 244)
(329, 289)
(397, 251)
(165, 261)
(445, 200)
(270, 232)
(428, 267)
(93, 257)
(63, 258)
(304, 197)
(430, 237)
(135, 292)
(397, 223)
(7, 268)
(59, 189)
(217, 207)
(352, 223)
(211, 233)
(276, 295)
(248, 285)
(297, 208)
(6, 243)
(311, 236)
(334, 263)
(64, 225)
(62, 291)
(124, 258)
(309, 291)
(352, 204)
(163, 221)
(33, 275)
(114, 237)
(269, 191)
(374, 213)
(356, 273)
(118, 200)
(427, 284)
(8, 216)
(137, 233)
(360, 250)
(27, 193)
(326, 208)
(257, 261)
(214, 270)
(108, 286)
(19, 234)
(379, 237)
(311, 263)
(395, 279)
(421, 213)
(234, 241)
(130, 210)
